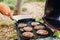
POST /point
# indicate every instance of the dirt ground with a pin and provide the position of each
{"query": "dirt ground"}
(36, 9)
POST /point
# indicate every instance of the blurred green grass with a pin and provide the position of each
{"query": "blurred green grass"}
(33, 0)
(11, 3)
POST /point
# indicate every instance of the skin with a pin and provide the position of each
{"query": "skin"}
(5, 10)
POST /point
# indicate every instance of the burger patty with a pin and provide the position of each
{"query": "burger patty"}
(28, 29)
(35, 23)
(42, 32)
(21, 25)
(39, 27)
(28, 35)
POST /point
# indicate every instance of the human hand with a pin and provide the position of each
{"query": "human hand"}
(5, 10)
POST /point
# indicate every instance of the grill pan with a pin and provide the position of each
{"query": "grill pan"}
(28, 22)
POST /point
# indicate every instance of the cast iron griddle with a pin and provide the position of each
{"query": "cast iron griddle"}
(37, 37)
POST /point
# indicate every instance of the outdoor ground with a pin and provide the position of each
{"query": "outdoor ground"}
(36, 9)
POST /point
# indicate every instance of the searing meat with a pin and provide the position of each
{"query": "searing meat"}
(42, 32)
(35, 23)
(28, 35)
(28, 29)
(21, 25)
(39, 27)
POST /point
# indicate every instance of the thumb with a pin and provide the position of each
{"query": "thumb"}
(10, 15)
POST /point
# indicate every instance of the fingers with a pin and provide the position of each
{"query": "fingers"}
(10, 15)
(5, 10)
